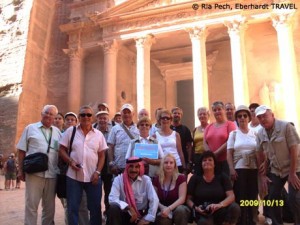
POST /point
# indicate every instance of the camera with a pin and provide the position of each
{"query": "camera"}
(205, 207)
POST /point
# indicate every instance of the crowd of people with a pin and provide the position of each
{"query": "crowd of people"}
(162, 173)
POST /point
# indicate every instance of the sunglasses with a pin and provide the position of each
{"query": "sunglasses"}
(165, 118)
(85, 114)
(242, 115)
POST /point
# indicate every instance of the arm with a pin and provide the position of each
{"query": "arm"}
(221, 149)
(262, 165)
(179, 150)
(205, 145)
(152, 161)
(115, 195)
(101, 159)
(226, 202)
(233, 173)
(152, 202)
(182, 195)
(190, 155)
(293, 178)
(21, 156)
(111, 153)
(63, 153)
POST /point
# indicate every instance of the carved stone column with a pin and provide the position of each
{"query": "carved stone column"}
(283, 25)
(238, 58)
(143, 83)
(75, 79)
(109, 93)
(198, 37)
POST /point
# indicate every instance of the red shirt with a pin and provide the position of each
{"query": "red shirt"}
(168, 197)
(215, 137)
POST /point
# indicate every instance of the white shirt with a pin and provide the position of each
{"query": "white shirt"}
(143, 191)
(120, 139)
(153, 169)
(168, 144)
(33, 140)
(244, 145)
(85, 151)
(255, 129)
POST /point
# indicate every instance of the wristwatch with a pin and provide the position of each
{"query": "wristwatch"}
(98, 172)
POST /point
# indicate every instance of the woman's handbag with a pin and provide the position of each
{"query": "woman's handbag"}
(61, 182)
(36, 162)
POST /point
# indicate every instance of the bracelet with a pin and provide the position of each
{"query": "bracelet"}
(98, 172)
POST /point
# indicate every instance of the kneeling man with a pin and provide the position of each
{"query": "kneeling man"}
(132, 199)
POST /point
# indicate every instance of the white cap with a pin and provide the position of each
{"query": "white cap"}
(261, 110)
(101, 112)
(127, 106)
(70, 113)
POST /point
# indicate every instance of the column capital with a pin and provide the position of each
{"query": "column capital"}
(235, 26)
(110, 46)
(74, 53)
(197, 32)
(281, 19)
(145, 41)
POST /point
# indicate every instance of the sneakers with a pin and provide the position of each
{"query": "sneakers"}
(268, 221)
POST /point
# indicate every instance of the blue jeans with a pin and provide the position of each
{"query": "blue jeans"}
(74, 194)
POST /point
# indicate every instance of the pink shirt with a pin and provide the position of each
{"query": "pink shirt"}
(217, 136)
(84, 151)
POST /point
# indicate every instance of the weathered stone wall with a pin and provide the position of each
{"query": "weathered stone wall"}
(34, 70)
(46, 67)
(14, 24)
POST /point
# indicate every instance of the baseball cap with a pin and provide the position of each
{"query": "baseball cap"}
(101, 112)
(127, 106)
(104, 104)
(70, 113)
(261, 110)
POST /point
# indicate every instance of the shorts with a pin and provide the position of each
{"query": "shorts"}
(11, 176)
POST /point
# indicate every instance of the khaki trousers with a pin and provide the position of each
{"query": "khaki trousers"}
(37, 189)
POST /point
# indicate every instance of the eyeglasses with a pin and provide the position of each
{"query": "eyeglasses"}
(85, 114)
(242, 115)
(144, 125)
(165, 118)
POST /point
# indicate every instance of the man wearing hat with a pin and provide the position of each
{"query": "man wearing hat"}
(71, 119)
(106, 176)
(132, 199)
(104, 107)
(279, 142)
(119, 139)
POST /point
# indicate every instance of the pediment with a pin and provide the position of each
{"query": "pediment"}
(135, 8)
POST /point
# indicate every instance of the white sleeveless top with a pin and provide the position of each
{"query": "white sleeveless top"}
(168, 145)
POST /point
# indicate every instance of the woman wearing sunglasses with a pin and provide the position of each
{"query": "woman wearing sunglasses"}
(169, 139)
(241, 158)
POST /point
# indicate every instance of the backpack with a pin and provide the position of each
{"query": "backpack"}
(11, 165)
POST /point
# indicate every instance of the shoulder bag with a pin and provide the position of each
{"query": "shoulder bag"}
(37, 162)
(61, 183)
